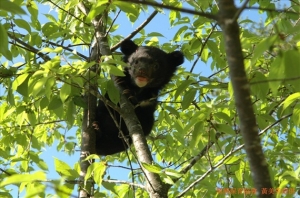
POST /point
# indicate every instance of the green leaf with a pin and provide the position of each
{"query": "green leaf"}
(179, 33)
(232, 160)
(263, 46)
(55, 50)
(178, 125)
(55, 103)
(128, 8)
(261, 88)
(33, 10)
(32, 118)
(196, 45)
(70, 114)
(113, 92)
(92, 156)
(188, 98)
(182, 87)
(172, 110)
(172, 173)
(10, 96)
(291, 65)
(64, 169)
(96, 9)
(277, 71)
(19, 178)
(213, 47)
(50, 28)
(197, 134)
(222, 117)
(152, 168)
(296, 115)
(205, 55)
(111, 187)
(113, 70)
(19, 80)
(98, 170)
(172, 17)
(6, 194)
(4, 43)
(168, 180)
(290, 99)
(9, 6)
(240, 172)
(79, 101)
(44, 103)
(23, 24)
(226, 128)
(38, 86)
(155, 34)
(65, 91)
(50, 18)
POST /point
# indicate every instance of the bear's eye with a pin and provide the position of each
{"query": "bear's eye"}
(155, 65)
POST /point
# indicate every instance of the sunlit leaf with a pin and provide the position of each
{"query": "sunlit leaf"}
(11, 7)
(63, 169)
(19, 178)
(23, 24)
(262, 47)
(290, 99)
(152, 168)
(188, 98)
(65, 91)
(4, 43)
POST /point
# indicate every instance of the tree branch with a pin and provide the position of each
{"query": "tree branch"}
(168, 7)
(132, 34)
(241, 88)
(29, 47)
(68, 12)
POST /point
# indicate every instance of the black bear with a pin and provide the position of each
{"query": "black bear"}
(149, 70)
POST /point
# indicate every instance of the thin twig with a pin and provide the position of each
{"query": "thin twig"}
(168, 7)
(132, 34)
(68, 12)
(112, 23)
(240, 10)
(30, 48)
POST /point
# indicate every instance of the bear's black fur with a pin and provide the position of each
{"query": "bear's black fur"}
(150, 69)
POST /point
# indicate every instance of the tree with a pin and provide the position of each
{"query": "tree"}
(236, 131)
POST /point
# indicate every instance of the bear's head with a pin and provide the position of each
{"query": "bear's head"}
(150, 66)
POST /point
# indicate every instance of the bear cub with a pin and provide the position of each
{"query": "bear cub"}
(149, 70)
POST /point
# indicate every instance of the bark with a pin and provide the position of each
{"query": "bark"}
(155, 187)
(89, 116)
(249, 130)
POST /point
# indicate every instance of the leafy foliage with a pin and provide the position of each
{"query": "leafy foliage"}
(44, 64)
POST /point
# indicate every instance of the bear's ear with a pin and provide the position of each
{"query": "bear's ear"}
(128, 47)
(176, 58)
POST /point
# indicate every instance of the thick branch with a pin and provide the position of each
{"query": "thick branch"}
(88, 136)
(241, 88)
